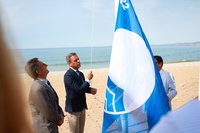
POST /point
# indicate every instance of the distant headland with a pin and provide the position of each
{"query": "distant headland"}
(185, 44)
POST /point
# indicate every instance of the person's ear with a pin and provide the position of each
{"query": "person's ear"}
(69, 63)
(37, 71)
(161, 64)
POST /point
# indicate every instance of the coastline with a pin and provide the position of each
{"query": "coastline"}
(55, 57)
(186, 77)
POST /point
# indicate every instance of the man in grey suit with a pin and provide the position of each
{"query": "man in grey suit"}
(46, 113)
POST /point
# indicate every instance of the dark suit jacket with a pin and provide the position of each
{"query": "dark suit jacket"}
(76, 87)
(44, 107)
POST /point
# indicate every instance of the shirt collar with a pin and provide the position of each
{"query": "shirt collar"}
(73, 69)
(43, 80)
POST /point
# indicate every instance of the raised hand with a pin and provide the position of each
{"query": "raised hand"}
(90, 75)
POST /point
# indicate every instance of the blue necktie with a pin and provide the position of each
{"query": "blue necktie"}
(77, 72)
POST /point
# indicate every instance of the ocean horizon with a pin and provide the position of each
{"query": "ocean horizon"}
(99, 57)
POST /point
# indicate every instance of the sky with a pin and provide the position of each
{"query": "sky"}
(90, 23)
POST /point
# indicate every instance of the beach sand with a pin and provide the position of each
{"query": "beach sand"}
(186, 76)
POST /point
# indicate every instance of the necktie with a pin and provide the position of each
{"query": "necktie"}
(49, 84)
(51, 88)
(77, 72)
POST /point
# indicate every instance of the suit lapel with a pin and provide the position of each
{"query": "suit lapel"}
(82, 77)
(49, 90)
(79, 78)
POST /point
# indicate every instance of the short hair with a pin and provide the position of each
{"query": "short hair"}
(31, 68)
(159, 59)
(68, 57)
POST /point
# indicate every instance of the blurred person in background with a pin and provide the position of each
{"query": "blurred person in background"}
(183, 120)
(13, 117)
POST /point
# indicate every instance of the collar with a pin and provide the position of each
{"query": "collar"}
(73, 69)
(43, 80)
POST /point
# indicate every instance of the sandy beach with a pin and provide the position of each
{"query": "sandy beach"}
(186, 77)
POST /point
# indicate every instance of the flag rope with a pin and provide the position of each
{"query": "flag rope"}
(92, 37)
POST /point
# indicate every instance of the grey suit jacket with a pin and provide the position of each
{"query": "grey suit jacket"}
(44, 107)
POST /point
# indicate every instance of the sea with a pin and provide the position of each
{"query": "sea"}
(99, 57)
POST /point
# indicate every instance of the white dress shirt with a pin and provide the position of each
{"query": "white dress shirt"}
(169, 84)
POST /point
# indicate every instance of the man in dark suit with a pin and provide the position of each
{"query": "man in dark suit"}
(46, 113)
(76, 86)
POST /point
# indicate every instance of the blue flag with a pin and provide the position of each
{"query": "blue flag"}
(135, 97)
